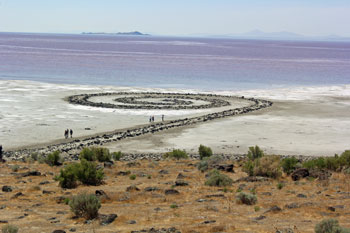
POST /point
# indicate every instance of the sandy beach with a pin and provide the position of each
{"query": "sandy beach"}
(305, 120)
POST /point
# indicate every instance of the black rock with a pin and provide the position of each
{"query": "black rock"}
(252, 179)
(101, 194)
(261, 217)
(151, 189)
(132, 188)
(58, 231)
(44, 182)
(300, 173)
(122, 173)
(224, 167)
(300, 195)
(132, 222)
(180, 183)
(30, 173)
(17, 195)
(48, 192)
(209, 221)
(6, 188)
(171, 192)
(292, 206)
(163, 172)
(180, 176)
(274, 209)
(107, 219)
(108, 164)
(215, 195)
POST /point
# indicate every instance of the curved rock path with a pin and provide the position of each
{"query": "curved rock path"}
(72, 148)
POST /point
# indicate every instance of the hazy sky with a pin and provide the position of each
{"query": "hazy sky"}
(177, 17)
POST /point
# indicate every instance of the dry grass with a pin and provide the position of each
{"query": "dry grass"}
(153, 209)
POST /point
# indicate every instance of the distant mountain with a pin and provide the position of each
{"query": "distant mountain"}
(135, 33)
(261, 34)
(283, 35)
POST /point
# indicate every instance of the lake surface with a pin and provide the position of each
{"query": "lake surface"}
(171, 62)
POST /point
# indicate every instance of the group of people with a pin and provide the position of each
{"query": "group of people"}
(151, 118)
(68, 132)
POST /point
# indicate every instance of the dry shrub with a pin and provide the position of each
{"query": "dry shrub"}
(268, 166)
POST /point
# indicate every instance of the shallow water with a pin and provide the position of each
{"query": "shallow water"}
(147, 61)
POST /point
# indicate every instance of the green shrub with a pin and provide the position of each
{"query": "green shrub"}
(319, 163)
(248, 167)
(117, 155)
(9, 229)
(87, 154)
(176, 154)
(89, 174)
(255, 153)
(289, 164)
(256, 208)
(54, 159)
(34, 156)
(209, 162)
(86, 172)
(246, 198)
(330, 226)
(333, 163)
(101, 154)
(253, 190)
(204, 151)
(174, 206)
(85, 205)
(132, 177)
(280, 185)
(268, 166)
(345, 158)
(215, 178)
(15, 168)
(68, 176)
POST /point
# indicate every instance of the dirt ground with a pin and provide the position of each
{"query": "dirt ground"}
(197, 207)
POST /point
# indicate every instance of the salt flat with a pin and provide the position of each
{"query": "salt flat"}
(305, 120)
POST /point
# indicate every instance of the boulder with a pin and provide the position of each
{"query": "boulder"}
(132, 188)
(274, 209)
(101, 194)
(6, 188)
(300, 173)
(180, 183)
(58, 231)
(107, 219)
(171, 192)
(108, 164)
(224, 167)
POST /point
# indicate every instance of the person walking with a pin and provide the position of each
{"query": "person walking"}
(71, 133)
(163, 117)
(0, 152)
(65, 134)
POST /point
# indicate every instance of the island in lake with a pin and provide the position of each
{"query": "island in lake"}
(135, 33)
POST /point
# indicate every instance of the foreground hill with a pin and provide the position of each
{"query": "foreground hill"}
(145, 194)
